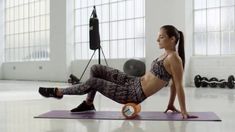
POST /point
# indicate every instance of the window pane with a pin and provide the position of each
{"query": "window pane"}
(16, 42)
(113, 30)
(26, 39)
(84, 16)
(47, 22)
(78, 3)
(213, 43)
(129, 29)
(199, 4)
(78, 53)
(43, 38)
(26, 1)
(11, 3)
(213, 3)
(26, 30)
(78, 17)
(139, 45)
(200, 45)
(16, 14)
(121, 29)
(90, 2)
(31, 9)
(84, 33)
(21, 26)
(36, 8)
(98, 2)
(121, 49)
(121, 10)
(21, 11)
(47, 6)
(43, 23)
(16, 28)
(213, 20)
(139, 8)
(105, 13)
(120, 21)
(105, 47)
(232, 42)
(31, 24)
(26, 11)
(200, 21)
(105, 1)
(11, 27)
(83, 3)
(37, 23)
(129, 9)
(227, 18)
(113, 12)
(130, 48)
(84, 52)
(26, 25)
(139, 28)
(104, 32)
(78, 34)
(21, 40)
(227, 2)
(225, 43)
(42, 7)
(113, 48)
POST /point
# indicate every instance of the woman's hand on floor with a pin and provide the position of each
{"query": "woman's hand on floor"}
(171, 108)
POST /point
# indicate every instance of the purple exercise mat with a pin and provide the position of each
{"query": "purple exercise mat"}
(116, 115)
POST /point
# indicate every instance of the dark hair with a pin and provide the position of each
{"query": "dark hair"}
(171, 31)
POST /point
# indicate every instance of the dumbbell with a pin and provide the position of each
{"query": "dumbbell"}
(73, 79)
(200, 81)
(222, 83)
(230, 82)
(204, 82)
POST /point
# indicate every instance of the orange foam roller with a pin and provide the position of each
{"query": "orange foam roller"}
(131, 110)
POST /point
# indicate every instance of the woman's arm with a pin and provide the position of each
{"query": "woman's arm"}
(177, 74)
(172, 94)
(172, 99)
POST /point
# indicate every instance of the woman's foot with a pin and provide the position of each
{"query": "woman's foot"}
(50, 92)
(84, 107)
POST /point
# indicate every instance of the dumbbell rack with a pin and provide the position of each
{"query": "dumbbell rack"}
(214, 82)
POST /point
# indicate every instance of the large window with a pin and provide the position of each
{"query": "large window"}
(214, 27)
(122, 28)
(26, 30)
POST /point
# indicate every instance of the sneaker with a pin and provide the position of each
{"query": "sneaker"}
(49, 92)
(84, 107)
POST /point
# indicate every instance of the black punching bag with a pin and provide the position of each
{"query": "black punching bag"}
(94, 31)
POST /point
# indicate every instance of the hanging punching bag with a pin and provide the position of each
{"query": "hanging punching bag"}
(94, 31)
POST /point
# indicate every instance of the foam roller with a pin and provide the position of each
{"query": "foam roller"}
(131, 110)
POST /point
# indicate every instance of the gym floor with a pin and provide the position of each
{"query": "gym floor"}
(20, 102)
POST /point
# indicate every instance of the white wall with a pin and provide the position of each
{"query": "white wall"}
(1, 35)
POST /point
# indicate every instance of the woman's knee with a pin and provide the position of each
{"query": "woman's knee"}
(96, 70)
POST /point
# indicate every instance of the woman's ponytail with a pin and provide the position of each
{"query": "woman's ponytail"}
(171, 31)
(181, 47)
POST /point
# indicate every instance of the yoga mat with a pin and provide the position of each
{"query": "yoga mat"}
(116, 115)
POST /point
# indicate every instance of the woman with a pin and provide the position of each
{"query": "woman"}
(123, 89)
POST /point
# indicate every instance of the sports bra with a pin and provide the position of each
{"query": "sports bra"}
(158, 69)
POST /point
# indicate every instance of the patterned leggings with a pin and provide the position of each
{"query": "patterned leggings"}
(110, 82)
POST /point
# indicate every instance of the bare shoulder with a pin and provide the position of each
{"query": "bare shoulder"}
(174, 58)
